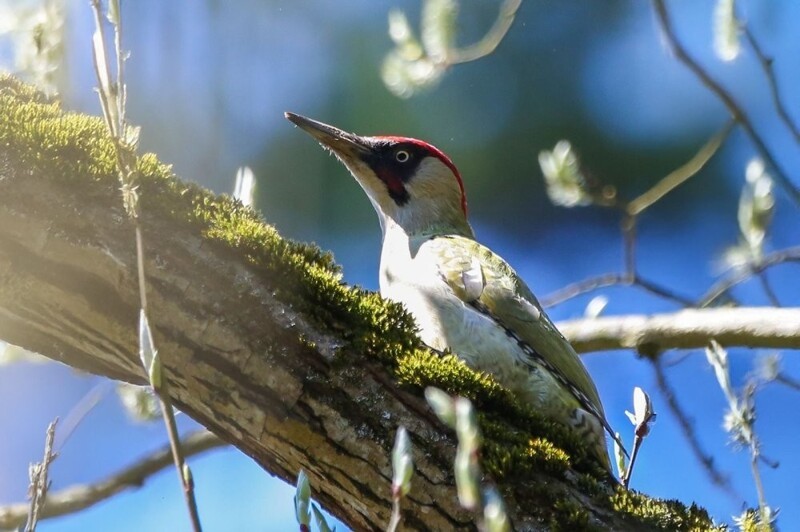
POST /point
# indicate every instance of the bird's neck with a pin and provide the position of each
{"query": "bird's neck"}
(400, 246)
(418, 229)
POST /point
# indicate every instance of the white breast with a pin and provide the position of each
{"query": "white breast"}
(410, 275)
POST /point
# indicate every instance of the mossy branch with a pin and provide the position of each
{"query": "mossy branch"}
(262, 342)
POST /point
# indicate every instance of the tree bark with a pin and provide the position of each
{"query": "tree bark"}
(264, 372)
(765, 327)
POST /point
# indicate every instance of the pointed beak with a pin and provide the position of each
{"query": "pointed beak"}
(345, 145)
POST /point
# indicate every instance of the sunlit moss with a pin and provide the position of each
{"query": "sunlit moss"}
(661, 514)
(48, 143)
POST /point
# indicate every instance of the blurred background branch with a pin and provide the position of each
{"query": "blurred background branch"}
(725, 97)
(76, 498)
(419, 63)
(650, 334)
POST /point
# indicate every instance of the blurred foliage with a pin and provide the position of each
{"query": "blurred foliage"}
(565, 183)
(36, 29)
(139, 402)
(726, 30)
(756, 209)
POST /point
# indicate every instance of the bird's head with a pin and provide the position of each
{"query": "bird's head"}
(409, 182)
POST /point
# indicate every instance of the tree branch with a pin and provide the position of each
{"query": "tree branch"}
(769, 72)
(261, 342)
(725, 97)
(740, 275)
(686, 329)
(77, 498)
(40, 482)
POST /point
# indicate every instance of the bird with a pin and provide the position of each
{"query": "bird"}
(465, 298)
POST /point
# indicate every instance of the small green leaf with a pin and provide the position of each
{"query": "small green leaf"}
(726, 29)
(406, 77)
(139, 401)
(302, 500)
(442, 405)
(620, 456)
(467, 472)
(756, 206)
(566, 185)
(244, 187)
(402, 464)
(467, 476)
(467, 424)
(438, 28)
(155, 374)
(494, 512)
(717, 357)
(147, 352)
(113, 12)
(188, 478)
(399, 28)
(322, 524)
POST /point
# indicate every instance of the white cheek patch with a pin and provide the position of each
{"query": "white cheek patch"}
(428, 182)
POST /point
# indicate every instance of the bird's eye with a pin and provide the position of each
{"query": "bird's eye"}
(402, 156)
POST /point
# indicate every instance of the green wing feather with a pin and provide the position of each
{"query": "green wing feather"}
(509, 300)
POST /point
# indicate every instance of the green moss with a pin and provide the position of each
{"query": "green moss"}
(75, 149)
(508, 423)
(569, 516)
(661, 514)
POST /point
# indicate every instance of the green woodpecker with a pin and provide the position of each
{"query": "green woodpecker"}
(464, 297)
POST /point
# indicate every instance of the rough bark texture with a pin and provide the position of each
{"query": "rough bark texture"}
(234, 355)
(287, 388)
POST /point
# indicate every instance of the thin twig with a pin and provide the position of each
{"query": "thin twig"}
(740, 275)
(40, 484)
(754, 458)
(680, 175)
(661, 291)
(733, 107)
(607, 280)
(677, 361)
(767, 287)
(100, 64)
(582, 287)
(642, 417)
(769, 72)
(491, 40)
(784, 379)
(717, 478)
(122, 90)
(79, 497)
(394, 520)
(628, 227)
(81, 409)
(168, 413)
(112, 97)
